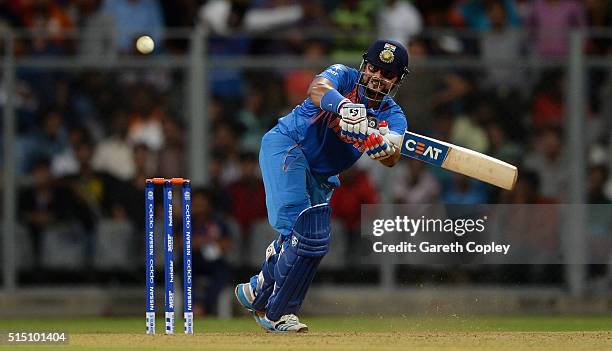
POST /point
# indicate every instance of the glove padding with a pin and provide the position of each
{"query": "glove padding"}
(378, 146)
(353, 122)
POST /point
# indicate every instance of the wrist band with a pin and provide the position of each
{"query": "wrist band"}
(332, 100)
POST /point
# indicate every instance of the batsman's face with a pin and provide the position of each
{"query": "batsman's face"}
(378, 81)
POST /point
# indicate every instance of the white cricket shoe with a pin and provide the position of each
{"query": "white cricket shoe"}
(288, 323)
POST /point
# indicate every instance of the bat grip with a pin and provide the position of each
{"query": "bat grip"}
(396, 139)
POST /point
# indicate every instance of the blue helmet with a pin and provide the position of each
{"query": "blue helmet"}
(389, 55)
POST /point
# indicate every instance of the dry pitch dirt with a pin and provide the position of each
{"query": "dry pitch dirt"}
(335, 333)
(472, 341)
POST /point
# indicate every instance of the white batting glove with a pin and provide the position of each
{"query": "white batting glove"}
(378, 146)
(353, 122)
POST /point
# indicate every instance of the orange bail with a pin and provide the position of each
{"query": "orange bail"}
(163, 180)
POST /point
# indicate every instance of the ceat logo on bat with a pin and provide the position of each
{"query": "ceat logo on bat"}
(423, 149)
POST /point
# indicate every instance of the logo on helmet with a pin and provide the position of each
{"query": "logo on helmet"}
(387, 54)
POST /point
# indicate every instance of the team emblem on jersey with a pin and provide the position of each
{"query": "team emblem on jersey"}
(372, 123)
(294, 241)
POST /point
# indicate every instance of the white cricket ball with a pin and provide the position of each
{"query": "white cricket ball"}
(145, 44)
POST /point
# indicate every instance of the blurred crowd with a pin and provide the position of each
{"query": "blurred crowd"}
(87, 138)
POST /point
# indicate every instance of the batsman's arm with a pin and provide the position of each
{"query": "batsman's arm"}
(318, 87)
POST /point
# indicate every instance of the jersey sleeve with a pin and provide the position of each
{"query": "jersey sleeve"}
(396, 119)
(341, 76)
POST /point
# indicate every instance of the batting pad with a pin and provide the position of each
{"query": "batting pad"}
(299, 259)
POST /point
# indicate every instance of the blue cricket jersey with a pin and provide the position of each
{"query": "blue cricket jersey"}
(317, 133)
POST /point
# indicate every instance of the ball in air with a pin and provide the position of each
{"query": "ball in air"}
(145, 44)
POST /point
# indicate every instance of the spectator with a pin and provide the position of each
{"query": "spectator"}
(352, 18)
(419, 186)
(398, 20)
(550, 23)
(179, 14)
(312, 25)
(298, 80)
(48, 141)
(211, 241)
(468, 129)
(254, 120)
(599, 14)
(605, 96)
(145, 117)
(464, 190)
(224, 16)
(598, 176)
(9, 16)
(223, 142)
(226, 19)
(548, 109)
(523, 9)
(247, 194)
(549, 162)
(171, 158)
(216, 184)
(453, 92)
(114, 155)
(356, 189)
(440, 13)
(104, 194)
(500, 47)
(97, 41)
(145, 164)
(475, 13)
(526, 190)
(66, 162)
(422, 85)
(45, 203)
(134, 18)
(144, 167)
(535, 229)
(50, 24)
(499, 145)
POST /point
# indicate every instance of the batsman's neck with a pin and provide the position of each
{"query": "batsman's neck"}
(373, 104)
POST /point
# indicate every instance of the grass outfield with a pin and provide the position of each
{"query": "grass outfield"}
(361, 333)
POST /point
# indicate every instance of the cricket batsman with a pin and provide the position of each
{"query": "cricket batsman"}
(300, 159)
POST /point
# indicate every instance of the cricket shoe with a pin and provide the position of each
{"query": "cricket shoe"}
(245, 296)
(288, 323)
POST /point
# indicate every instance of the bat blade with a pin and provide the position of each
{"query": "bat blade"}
(459, 159)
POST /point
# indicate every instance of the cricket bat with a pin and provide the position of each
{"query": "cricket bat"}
(455, 158)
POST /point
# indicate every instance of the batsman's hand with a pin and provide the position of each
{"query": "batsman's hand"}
(378, 146)
(353, 122)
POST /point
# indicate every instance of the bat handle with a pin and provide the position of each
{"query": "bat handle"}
(396, 139)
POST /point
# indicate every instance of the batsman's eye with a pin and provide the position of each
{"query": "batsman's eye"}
(385, 74)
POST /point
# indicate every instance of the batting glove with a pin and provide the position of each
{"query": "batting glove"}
(353, 122)
(377, 145)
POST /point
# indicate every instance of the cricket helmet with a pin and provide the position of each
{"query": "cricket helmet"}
(390, 56)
